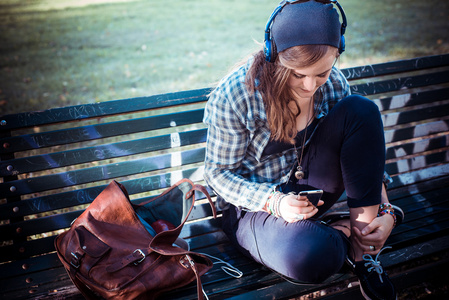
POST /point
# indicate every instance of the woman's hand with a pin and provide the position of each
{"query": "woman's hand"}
(294, 208)
(374, 234)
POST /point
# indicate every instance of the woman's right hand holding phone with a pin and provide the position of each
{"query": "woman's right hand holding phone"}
(294, 208)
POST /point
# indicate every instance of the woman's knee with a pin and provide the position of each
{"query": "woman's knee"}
(315, 256)
(359, 106)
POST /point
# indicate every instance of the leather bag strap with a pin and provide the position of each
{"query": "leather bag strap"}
(195, 187)
(165, 239)
(199, 286)
(202, 189)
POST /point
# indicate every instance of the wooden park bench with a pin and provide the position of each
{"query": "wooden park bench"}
(53, 163)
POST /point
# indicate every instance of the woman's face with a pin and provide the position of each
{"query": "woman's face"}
(305, 81)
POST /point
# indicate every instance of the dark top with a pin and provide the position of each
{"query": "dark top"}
(274, 147)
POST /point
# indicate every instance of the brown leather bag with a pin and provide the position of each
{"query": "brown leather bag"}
(109, 251)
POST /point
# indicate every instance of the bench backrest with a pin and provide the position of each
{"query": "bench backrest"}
(55, 162)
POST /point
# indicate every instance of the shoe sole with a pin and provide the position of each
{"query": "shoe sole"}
(365, 295)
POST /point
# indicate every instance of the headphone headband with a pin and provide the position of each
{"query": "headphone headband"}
(269, 47)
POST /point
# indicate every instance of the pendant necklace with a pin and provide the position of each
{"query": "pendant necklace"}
(299, 174)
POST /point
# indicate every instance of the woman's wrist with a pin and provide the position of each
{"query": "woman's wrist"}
(274, 203)
(387, 209)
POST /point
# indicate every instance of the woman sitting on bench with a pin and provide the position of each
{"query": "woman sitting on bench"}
(284, 122)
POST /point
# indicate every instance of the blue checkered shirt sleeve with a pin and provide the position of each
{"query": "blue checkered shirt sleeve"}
(232, 142)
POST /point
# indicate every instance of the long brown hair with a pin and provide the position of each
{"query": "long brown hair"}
(270, 79)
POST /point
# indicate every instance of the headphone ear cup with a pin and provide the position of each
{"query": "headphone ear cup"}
(268, 50)
(342, 44)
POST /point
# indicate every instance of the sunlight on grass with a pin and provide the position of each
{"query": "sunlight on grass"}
(16, 6)
(59, 53)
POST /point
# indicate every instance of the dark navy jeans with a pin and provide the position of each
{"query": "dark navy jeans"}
(346, 152)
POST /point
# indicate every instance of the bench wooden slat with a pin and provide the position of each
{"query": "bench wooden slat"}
(412, 193)
(405, 117)
(421, 195)
(388, 68)
(50, 202)
(30, 265)
(105, 172)
(25, 249)
(100, 152)
(396, 84)
(424, 230)
(434, 143)
(102, 109)
(407, 100)
(417, 131)
(85, 196)
(428, 247)
(424, 200)
(426, 205)
(99, 131)
(415, 163)
(38, 225)
(420, 175)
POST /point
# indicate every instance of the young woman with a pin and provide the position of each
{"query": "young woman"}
(285, 122)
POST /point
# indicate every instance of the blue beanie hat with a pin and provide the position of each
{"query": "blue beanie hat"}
(308, 23)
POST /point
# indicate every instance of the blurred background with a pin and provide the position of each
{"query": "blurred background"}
(68, 52)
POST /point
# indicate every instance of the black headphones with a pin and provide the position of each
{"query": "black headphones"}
(269, 47)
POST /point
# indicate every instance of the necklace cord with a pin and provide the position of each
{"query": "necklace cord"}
(299, 159)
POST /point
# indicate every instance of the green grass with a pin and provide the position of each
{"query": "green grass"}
(66, 52)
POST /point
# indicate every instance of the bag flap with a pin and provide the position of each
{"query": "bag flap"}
(110, 211)
(89, 243)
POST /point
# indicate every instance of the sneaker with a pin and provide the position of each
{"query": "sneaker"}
(374, 281)
(335, 216)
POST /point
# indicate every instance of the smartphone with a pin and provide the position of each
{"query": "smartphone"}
(314, 196)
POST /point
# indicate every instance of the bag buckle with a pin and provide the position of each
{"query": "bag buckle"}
(76, 260)
(138, 251)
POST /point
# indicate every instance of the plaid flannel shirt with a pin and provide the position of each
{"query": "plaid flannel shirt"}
(237, 135)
